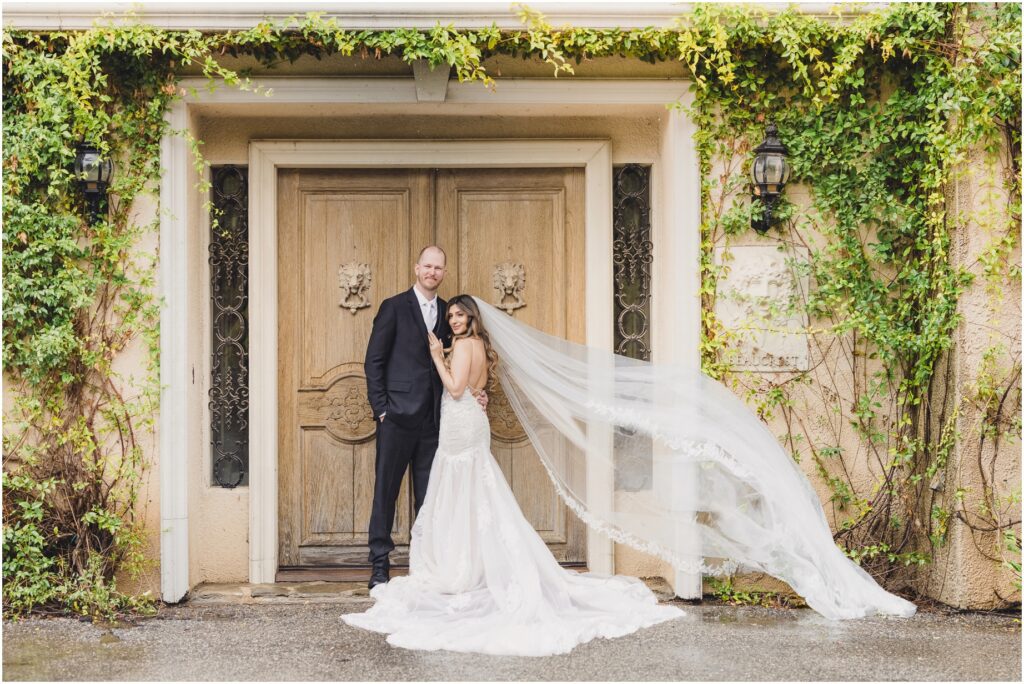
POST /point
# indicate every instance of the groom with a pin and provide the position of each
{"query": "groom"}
(405, 394)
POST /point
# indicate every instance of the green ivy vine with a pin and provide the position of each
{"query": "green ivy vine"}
(880, 117)
(879, 110)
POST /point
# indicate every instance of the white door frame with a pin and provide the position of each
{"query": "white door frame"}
(265, 158)
(675, 236)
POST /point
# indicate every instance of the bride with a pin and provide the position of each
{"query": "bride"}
(480, 577)
(726, 497)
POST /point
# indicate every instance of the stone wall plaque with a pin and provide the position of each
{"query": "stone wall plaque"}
(759, 300)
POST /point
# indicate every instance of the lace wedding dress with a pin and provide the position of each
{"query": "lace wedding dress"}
(481, 579)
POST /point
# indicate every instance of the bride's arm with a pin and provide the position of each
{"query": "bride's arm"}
(457, 379)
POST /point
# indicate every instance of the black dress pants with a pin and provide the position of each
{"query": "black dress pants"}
(398, 448)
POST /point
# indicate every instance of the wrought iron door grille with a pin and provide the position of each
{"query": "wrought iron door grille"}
(631, 256)
(229, 308)
(631, 226)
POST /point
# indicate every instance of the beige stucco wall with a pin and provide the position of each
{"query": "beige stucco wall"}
(130, 364)
(968, 572)
(821, 420)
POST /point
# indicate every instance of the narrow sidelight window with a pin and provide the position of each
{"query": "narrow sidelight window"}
(229, 307)
(632, 256)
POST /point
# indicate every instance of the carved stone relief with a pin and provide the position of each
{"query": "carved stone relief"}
(509, 282)
(758, 299)
(354, 279)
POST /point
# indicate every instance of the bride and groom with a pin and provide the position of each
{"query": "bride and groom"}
(480, 578)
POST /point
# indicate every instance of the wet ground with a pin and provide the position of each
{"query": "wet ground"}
(267, 634)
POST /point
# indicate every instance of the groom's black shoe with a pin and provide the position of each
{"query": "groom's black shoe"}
(381, 573)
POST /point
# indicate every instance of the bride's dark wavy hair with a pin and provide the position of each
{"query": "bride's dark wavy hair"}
(476, 329)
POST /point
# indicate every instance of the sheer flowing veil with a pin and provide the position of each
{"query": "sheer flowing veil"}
(702, 483)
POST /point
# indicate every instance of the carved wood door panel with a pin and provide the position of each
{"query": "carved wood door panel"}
(348, 239)
(335, 227)
(515, 237)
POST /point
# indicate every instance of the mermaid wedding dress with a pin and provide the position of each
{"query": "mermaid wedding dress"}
(481, 579)
(711, 491)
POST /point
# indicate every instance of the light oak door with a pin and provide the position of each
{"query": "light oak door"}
(507, 226)
(347, 239)
(332, 224)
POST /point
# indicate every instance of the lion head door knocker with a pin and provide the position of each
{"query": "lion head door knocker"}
(509, 282)
(354, 279)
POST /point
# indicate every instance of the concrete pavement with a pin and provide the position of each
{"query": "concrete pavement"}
(294, 633)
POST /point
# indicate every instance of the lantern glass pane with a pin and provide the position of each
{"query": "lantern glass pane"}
(107, 170)
(90, 166)
(773, 168)
(757, 170)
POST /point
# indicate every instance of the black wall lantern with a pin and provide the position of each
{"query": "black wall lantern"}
(94, 174)
(769, 172)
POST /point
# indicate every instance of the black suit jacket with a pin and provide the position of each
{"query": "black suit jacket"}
(400, 375)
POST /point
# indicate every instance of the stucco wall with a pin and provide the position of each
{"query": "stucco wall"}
(131, 363)
(968, 572)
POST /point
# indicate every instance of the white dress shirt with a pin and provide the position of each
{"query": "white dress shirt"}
(428, 307)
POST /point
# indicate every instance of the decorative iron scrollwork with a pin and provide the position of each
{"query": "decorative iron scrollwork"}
(509, 281)
(354, 279)
(632, 257)
(632, 254)
(229, 303)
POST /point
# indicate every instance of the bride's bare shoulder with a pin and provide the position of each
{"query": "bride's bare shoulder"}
(470, 344)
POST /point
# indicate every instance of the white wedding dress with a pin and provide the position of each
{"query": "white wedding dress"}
(481, 579)
(722, 497)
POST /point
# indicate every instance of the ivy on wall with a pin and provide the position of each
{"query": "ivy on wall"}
(880, 119)
(879, 111)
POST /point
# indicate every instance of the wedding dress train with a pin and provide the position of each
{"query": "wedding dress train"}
(481, 579)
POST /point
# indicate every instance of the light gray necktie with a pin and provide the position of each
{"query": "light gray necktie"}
(430, 314)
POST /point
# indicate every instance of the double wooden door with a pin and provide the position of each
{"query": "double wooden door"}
(347, 239)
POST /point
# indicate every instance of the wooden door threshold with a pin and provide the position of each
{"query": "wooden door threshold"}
(341, 574)
(357, 573)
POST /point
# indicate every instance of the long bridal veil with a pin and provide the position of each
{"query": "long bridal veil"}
(670, 462)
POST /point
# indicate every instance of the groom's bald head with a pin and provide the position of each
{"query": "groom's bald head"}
(432, 252)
